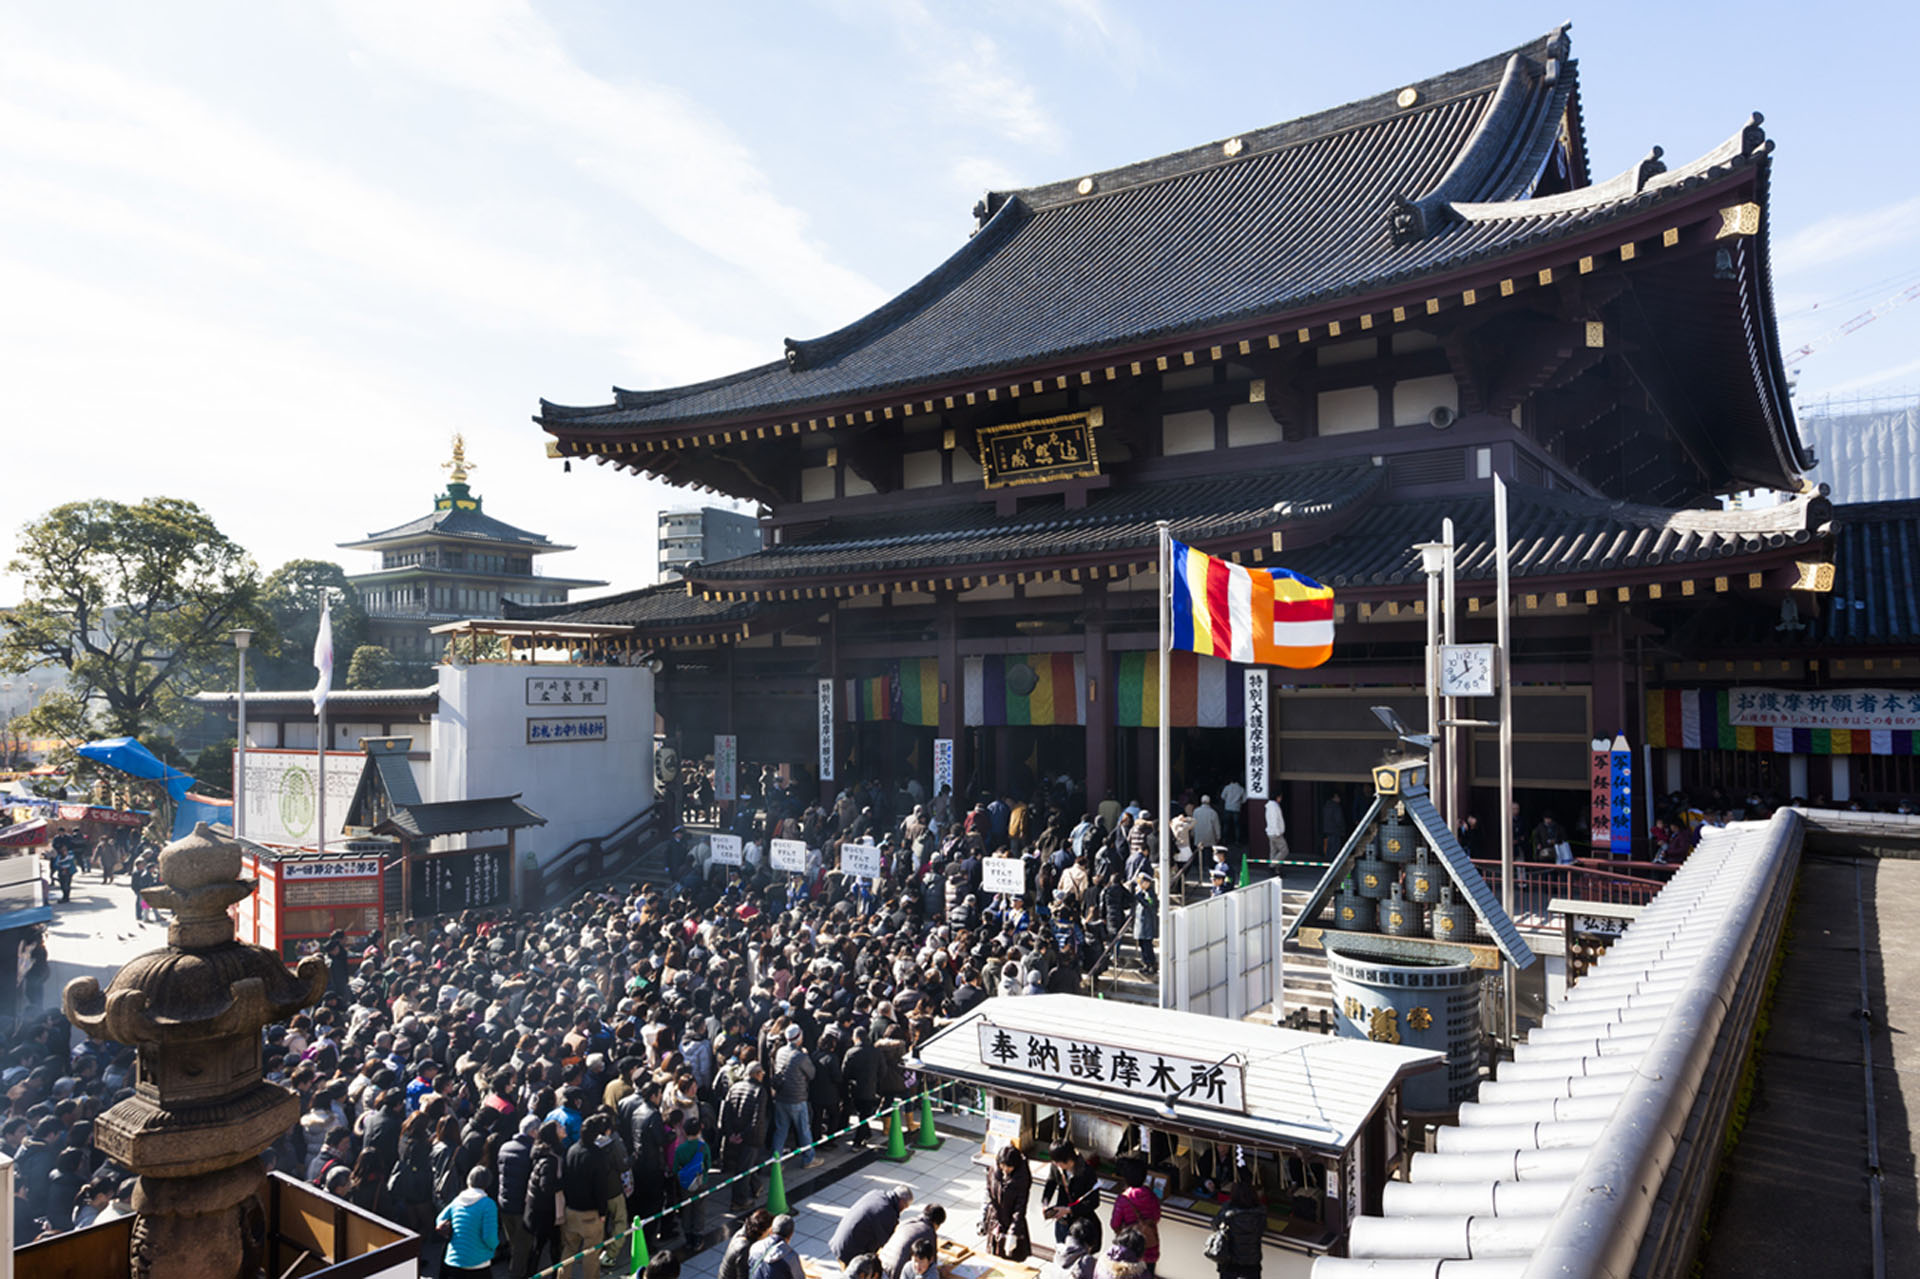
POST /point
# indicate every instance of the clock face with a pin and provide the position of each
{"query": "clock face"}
(1466, 670)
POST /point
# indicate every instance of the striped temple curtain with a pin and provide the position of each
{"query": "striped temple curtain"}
(1207, 692)
(1697, 719)
(1058, 696)
(907, 692)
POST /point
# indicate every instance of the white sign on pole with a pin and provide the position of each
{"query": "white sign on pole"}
(725, 849)
(826, 731)
(942, 764)
(788, 855)
(281, 805)
(726, 768)
(1003, 875)
(860, 861)
(1257, 747)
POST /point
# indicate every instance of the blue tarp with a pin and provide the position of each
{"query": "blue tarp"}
(130, 757)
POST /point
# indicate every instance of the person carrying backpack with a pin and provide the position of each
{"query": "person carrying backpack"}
(691, 1160)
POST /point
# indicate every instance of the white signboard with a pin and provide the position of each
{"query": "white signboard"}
(860, 861)
(545, 690)
(1600, 925)
(726, 768)
(1143, 1073)
(358, 868)
(1257, 745)
(788, 855)
(1849, 708)
(942, 764)
(570, 729)
(826, 731)
(725, 849)
(281, 801)
(1003, 875)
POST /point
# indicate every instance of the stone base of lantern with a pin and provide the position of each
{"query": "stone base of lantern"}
(212, 1226)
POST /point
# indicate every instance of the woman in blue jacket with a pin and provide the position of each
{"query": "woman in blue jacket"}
(471, 1227)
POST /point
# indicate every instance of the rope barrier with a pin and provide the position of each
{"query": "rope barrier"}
(636, 1230)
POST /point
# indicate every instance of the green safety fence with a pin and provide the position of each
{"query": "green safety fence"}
(633, 1241)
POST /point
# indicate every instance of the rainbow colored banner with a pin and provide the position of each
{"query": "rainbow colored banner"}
(908, 692)
(1206, 692)
(1698, 719)
(1058, 693)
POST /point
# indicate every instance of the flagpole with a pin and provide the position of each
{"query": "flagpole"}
(1504, 635)
(1163, 798)
(321, 784)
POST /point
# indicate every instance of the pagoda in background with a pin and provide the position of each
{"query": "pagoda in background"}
(452, 564)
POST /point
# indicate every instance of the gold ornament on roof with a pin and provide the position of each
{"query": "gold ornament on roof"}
(457, 468)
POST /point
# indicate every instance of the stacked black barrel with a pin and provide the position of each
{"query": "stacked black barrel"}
(1396, 888)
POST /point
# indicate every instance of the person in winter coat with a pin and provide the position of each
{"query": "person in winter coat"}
(543, 1213)
(472, 1222)
(646, 1131)
(743, 1133)
(513, 1167)
(1146, 921)
(774, 1257)
(829, 1086)
(1072, 1193)
(870, 1222)
(898, 1250)
(734, 1263)
(410, 1185)
(1003, 1217)
(1122, 1260)
(1075, 1258)
(1136, 1209)
(793, 1072)
(1243, 1223)
(860, 1072)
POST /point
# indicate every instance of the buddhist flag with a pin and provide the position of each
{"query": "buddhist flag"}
(1269, 617)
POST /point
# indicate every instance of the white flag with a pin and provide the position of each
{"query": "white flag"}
(323, 658)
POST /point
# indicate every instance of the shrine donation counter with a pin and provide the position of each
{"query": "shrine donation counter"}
(1312, 1121)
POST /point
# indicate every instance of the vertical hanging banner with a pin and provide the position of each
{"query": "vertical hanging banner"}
(942, 763)
(726, 767)
(826, 730)
(1257, 746)
(1620, 797)
(1600, 791)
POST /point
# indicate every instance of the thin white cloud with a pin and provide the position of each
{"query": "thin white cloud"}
(1879, 377)
(660, 152)
(1845, 236)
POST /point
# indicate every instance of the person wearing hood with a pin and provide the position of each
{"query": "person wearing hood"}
(1123, 1258)
(471, 1227)
(1075, 1258)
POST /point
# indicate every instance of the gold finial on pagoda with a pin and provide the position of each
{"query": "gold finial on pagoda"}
(457, 469)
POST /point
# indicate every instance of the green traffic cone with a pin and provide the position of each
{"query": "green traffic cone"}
(777, 1189)
(896, 1138)
(1246, 869)
(641, 1257)
(928, 1139)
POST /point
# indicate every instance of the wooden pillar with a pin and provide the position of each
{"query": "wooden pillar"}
(1099, 729)
(513, 873)
(1609, 680)
(406, 879)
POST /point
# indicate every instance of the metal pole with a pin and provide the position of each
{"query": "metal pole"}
(1509, 1014)
(1163, 797)
(1437, 763)
(320, 787)
(240, 756)
(1450, 709)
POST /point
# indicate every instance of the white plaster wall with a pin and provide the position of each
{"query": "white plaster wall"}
(583, 789)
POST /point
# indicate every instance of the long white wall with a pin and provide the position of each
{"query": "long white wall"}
(582, 787)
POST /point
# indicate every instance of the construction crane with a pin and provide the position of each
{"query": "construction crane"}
(1858, 322)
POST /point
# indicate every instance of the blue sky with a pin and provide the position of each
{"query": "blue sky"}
(270, 255)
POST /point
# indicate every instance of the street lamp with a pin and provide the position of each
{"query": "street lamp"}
(241, 638)
(1433, 562)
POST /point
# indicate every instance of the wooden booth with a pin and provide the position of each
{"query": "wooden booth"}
(303, 896)
(1313, 1121)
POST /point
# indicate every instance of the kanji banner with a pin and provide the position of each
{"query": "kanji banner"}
(1257, 745)
(1712, 719)
(1139, 1072)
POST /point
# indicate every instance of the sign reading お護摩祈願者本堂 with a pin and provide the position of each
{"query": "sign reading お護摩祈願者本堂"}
(1851, 708)
(1144, 1073)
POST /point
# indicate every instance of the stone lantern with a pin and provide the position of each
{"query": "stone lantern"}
(201, 1113)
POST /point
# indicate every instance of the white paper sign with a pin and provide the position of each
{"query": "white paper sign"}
(788, 855)
(860, 861)
(1003, 875)
(826, 731)
(726, 768)
(1256, 733)
(359, 868)
(725, 849)
(942, 764)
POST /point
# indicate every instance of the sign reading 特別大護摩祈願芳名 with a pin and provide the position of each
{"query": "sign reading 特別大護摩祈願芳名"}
(1147, 1074)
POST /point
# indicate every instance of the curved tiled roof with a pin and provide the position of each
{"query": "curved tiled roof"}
(456, 522)
(664, 606)
(1552, 534)
(1876, 566)
(1294, 214)
(1114, 521)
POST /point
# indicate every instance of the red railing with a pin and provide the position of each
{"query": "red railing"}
(1537, 883)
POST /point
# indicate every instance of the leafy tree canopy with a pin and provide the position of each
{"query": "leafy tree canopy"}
(373, 667)
(130, 600)
(293, 594)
